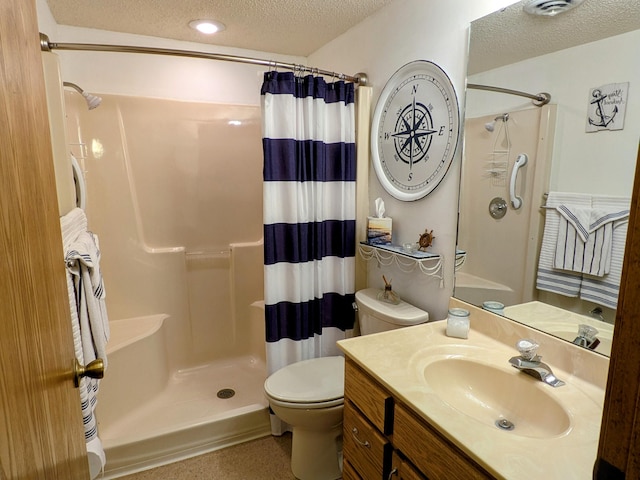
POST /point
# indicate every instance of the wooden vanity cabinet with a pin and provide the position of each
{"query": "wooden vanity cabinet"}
(384, 440)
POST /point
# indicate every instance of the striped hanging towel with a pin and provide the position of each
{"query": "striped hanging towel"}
(585, 238)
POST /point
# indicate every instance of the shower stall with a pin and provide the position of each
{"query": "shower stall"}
(500, 220)
(174, 193)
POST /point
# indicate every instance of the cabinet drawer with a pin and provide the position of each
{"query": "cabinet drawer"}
(371, 399)
(432, 454)
(349, 473)
(364, 447)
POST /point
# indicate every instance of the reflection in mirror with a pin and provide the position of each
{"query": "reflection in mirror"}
(524, 164)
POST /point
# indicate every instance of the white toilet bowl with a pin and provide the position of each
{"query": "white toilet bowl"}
(309, 396)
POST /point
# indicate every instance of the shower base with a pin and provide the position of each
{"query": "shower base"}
(181, 416)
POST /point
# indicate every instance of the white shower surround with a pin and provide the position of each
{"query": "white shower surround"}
(183, 274)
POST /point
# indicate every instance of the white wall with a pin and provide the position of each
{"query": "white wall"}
(404, 31)
(600, 162)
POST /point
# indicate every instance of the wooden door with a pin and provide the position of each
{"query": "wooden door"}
(619, 448)
(41, 434)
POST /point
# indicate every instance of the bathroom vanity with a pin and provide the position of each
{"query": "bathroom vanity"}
(382, 435)
(419, 404)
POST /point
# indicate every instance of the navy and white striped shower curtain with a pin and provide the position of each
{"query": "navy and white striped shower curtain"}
(309, 215)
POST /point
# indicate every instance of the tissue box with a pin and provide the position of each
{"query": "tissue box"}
(379, 231)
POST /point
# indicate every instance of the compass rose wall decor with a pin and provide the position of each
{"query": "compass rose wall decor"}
(607, 106)
(415, 130)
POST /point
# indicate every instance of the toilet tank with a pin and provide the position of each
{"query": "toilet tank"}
(377, 316)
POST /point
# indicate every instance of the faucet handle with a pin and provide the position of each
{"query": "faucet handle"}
(587, 331)
(527, 348)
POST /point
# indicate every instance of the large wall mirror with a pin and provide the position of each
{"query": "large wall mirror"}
(529, 171)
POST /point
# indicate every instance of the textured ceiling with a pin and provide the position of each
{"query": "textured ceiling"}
(511, 35)
(292, 27)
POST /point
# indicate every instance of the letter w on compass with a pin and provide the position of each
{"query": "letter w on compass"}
(413, 133)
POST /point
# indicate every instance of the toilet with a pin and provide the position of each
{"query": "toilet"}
(377, 316)
(309, 395)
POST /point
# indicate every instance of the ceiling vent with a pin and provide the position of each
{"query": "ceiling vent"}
(550, 8)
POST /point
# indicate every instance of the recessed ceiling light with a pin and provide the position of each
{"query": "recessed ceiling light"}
(206, 26)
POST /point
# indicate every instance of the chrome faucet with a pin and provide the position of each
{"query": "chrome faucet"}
(530, 363)
(587, 337)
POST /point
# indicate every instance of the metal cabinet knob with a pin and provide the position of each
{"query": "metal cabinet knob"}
(94, 369)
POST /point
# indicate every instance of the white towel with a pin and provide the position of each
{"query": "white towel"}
(585, 238)
(604, 290)
(74, 233)
(83, 262)
(550, 278)
(97, 458)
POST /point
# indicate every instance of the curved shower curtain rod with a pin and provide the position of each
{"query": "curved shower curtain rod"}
(539, 99)
(47, 46)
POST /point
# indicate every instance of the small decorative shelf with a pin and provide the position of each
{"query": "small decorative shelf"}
(461, 257)
(428, 263)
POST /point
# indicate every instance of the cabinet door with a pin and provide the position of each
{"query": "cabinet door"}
(370, 398)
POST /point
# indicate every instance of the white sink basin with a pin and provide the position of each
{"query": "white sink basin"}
(502, 398)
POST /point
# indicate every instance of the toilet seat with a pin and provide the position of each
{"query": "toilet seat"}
(309, 384)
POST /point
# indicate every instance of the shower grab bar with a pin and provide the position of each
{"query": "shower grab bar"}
(521, 161)
(46, 46)
(539, 99)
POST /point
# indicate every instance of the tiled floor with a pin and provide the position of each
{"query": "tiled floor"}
(267, 458)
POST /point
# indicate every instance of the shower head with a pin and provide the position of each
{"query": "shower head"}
(92, 100)
(492, 124)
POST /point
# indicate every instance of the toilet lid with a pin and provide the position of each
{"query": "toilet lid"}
(401, 314)
(309, 381)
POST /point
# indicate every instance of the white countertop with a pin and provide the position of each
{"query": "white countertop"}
(398, 358)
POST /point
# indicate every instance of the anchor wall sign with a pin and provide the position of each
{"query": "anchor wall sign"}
(607, 105)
